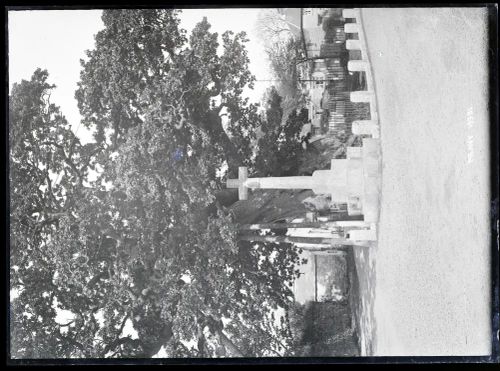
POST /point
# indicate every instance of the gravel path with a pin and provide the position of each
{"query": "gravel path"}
(432, 292)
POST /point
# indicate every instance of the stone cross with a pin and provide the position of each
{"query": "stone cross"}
(355, 180)
(240, 183)
(333, 182)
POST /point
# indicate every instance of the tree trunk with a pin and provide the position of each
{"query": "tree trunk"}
(227, 197)
(230, 347)
(268, 206)
(152, 348)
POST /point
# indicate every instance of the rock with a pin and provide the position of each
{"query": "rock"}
(317, 203)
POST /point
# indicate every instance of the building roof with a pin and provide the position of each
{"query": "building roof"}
(292, 15)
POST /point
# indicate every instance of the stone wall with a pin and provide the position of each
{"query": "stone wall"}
(323, 278)
(332, 281)
(324, 329)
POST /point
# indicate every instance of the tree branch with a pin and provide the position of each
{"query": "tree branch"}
(66, 160)
(71, 341)
(123, 324)
(96, 279)
(67, 324)
(228, 344)
(135, 343)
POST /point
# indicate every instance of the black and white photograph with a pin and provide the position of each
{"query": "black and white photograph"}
(243, 183)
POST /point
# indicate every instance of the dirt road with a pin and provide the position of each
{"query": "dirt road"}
(432, 291)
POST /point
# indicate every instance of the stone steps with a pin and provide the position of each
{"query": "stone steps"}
(370, 150)
(372, 176)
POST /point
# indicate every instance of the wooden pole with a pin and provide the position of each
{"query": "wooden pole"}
(331, 218)
(250, 227)
(295, 239)
(315, 278)
(324, 249)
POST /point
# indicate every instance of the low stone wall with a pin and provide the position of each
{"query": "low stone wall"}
(326, 330)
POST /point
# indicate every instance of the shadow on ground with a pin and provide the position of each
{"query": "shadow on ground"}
(361, 262)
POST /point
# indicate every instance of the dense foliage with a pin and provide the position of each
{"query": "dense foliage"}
(279, 147)
(128, 230)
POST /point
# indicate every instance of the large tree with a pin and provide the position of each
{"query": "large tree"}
(146, 242)
(48, 168)
(143, 65)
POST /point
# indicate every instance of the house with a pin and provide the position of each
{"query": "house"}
(314, 101)
(306, 24)
(312, 30)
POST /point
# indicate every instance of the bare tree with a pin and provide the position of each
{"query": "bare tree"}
(272, 26)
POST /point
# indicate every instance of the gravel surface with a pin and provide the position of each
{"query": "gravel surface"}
(432, 290)
(364, 258)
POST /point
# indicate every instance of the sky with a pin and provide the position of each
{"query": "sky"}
(56, 40)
